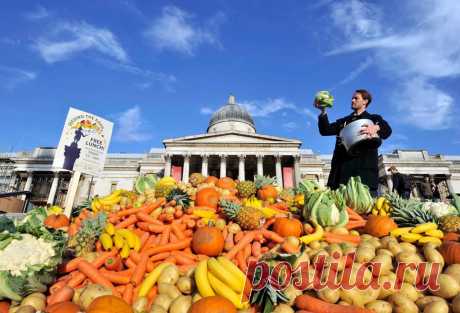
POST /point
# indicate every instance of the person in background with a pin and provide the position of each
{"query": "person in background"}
(365, 164)
(426, 189)
(401, 183)
(435, 190)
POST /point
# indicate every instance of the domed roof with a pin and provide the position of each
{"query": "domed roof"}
(232, 112)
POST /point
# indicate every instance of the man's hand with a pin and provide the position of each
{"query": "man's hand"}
(317, 105)
(370, 130)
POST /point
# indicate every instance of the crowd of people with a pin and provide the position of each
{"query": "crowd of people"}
(403, 186)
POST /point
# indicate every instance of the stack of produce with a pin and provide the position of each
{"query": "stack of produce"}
(357, 195)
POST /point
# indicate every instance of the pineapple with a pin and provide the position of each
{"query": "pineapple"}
(247, 217)
(408, 213)
(181, 197)
(196, 179)
(246, 188)
(85, 239)
(450, 223)
(261, 181)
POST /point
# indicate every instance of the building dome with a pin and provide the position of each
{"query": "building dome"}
(231, 117)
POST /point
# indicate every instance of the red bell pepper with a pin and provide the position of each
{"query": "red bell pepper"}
(113, 263)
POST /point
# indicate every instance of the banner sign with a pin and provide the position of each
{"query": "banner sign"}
(84, 143)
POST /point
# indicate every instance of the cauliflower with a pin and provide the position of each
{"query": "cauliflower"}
(439, 209)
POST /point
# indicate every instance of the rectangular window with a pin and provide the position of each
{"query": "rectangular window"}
(113, 186)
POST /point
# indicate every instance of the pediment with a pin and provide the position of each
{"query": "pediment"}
(231, 137)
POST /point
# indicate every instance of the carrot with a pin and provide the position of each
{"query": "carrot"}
(355, 224)
(160, 256)
(177, 231)
(147, 209)
(76, 279)
(229, 243)
(247, 239)
(188, 233)
(241, 261)
(185, 268)
(170, 247)
(127, 222)
(336, 238)
(116, 277)
(165, 236)
(150, 241)
(100, 260)
(91, 271)
(315, 305)
(269, 223)
(135, 256)
(72, 265)
(237, 237)
(145, 217)
(140, 269)
(73, 229)
(256, 249)
(127, 212)
(271, 235)
(173, 238)
(128, 294)
(289, 248)
(130, 263)
(63, 294)
(247, 251)
(187, 254)
(144, 237)
(190, 223)
(170, 259)
(120, 289)
(58, 285)
(151, 296)
(182, 260)
(353, 215)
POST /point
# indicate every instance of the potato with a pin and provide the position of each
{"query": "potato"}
(181, 304)
(385, 241)
(329, 295)
(379, 306)
(366, 237)
(91, 292)
(185, 285)
(448, 287)
(196, 297)
(157, 309)
(409, 291)
(334, 248)
(385, 293)
(170, 275)
(394, 247)
(456, 304)
(401, 304)
(283, 308)
(26, 309)
(163, 300)
(408, 247)
(291, 293)
(169, 290)
(347, 249)
(358, 297)
(436, 307)
(423, 301)
(314, 245)
(384, 251)
(375, 243)
(408, 257)
(340, 231)
(37, 300)
(140, 305)
(454, 271)
(320, 254)
(433, 256)
(385, 262)
(364, 254)
(343, 303)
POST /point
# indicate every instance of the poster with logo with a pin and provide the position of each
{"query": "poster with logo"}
(84, 143)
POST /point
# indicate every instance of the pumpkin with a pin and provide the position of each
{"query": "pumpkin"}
(451, 236)
(226, 183)
(208, 241)
(211, 180)
(4, 307)
(56, 221)
(214, 304)
(267, 192)
(109, 304)
(207, 197)
(63, 307)
(379, 226)
(450, 251)
(285, 227)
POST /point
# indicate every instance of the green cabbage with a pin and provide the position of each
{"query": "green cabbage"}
(145, 182)
(325, 208)
(324, 98)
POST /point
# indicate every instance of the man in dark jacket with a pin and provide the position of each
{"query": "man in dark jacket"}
(426, 189)
(401, 183)
(362, 163)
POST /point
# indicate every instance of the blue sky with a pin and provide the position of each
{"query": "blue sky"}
(157, 69)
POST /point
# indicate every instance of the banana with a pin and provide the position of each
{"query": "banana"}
(434, 240)
(421, 228)
(204, 213)
(110, 201)
(317, 235)
(379, 203)
(225, 276)
(270, 212)
(137, 244)
(118, 241)
(202, 281)
(109, 229)
(435, 233)
(106, 241)
(223, 290)
(124, 253)
(151, 279)
(233, 269)
(400, 230)
(410, 237)
(96, 205)
(128, 236)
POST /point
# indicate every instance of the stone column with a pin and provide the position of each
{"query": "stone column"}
(296, 170)
(223, 165)
(54, 186)
(321, 180)
(389, 183)
(279, 173)
(204, 165)
(260, 164)
(185, 173)
(28, 186)
(241, 169)
(449, 185)
(167, 165)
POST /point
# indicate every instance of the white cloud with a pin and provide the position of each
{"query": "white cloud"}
(290, 125)
(174, 30)
(266, 107)
(414, 56)
(38, 14)
(356, 72)
(79, 37)
(10, 77)
(206, 110)
(130, 126)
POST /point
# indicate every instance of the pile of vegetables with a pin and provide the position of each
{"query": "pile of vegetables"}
(29, 255)
(357, 196)
(325, 208)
